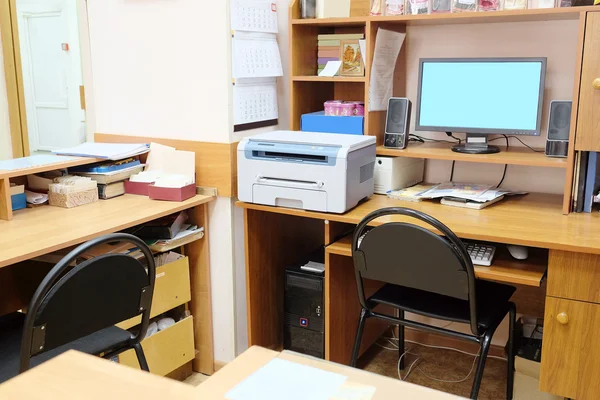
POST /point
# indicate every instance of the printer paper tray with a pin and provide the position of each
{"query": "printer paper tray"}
(315, 200)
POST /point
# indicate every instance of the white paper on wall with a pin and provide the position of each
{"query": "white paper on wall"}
(254, 16)
(255, 55)
(387, 49)
(254, 100)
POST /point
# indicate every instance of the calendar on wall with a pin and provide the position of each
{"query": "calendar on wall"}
(255, 100)
(255, 56)
(256, 63)
(254, 16)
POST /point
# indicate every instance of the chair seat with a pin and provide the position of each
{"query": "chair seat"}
(492, 303)
(11, 331)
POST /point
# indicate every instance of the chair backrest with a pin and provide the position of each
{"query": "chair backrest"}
(409, 255)
(73, 302)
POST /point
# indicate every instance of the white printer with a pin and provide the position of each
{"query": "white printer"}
(313, 171)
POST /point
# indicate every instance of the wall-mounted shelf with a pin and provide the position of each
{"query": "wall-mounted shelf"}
(441, 151)
(544, 14)
(528, 272)
(358, 79)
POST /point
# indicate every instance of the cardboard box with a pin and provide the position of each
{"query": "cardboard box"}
(139, 188)
(319, 122)
(172, 194)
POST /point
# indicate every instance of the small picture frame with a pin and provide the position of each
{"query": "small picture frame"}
(352, 59)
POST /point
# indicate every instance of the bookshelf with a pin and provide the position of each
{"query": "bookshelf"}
(309, 92)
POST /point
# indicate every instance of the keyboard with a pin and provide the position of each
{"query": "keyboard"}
(481, 254)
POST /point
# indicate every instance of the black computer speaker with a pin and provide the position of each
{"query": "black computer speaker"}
(397, 123)
(559, 126)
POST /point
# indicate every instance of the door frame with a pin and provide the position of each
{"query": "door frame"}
(9, 32)
(14, 78)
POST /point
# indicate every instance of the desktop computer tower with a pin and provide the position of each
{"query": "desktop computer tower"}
(304, 316)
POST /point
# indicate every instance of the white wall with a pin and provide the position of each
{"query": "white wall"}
(163, 63)
(5, 139)
(161, 69)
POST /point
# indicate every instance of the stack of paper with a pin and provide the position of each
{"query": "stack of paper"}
(168, 167)
(109, 151)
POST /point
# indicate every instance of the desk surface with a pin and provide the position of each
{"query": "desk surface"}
(37, 231)
(533, 220)
(75, 376)
(254, 358)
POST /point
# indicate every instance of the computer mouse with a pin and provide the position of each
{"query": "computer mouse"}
(518, 252)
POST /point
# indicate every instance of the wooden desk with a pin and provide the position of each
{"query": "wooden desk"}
(568, 246)
(76, 376)
(38, 231)
(254, 358)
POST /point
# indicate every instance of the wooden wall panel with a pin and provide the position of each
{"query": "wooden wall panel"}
(216, 163)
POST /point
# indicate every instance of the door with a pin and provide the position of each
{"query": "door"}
(571, 349)
(52, 75)
(588, 119)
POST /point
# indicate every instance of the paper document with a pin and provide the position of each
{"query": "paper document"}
(254, 100)
(254, 16)
(331, 68)
(387, 49)
(362, 43)
(110, 151)
(255, 55)
(32, 161)
(281, 379)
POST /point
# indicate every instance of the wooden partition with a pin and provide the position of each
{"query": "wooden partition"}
(216, 163)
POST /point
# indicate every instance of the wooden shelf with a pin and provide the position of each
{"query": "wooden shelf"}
(528, 272)
(547, 14)
(69, 162)
(41, 230)
(442, 151)
(352, 21)
(360, 79)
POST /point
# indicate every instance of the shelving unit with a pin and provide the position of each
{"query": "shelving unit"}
(512, 155)
(309, 92)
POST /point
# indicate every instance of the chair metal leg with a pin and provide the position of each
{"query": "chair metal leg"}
(401, 339)
(139, 352)
(512, 315)
(485, 347)
(358, 338)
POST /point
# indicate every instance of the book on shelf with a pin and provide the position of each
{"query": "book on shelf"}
(474, 205)
(587, 181)
(105, 167)
(340, 36)
(111, 190)
(329, 43)
(106, 178)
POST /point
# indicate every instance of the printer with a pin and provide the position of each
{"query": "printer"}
(308, 170)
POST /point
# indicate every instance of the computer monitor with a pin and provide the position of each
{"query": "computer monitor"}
(481, 96)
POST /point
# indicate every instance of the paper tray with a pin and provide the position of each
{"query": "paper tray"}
(172, 194)
(139, 188)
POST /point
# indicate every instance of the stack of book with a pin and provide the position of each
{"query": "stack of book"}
(329, 47)
(586, 182)
(110, 176)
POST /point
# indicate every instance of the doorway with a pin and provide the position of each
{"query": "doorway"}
(52, 73)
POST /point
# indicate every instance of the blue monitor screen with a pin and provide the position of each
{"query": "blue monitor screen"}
(487, 95)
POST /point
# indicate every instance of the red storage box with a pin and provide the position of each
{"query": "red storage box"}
(172, 194)
(140, 188)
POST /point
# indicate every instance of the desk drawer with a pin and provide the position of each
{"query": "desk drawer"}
(574, 276)
(571, 352)
(171, 289)
(166, 350)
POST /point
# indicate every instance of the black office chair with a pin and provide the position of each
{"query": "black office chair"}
(430, 275)
(77, 308)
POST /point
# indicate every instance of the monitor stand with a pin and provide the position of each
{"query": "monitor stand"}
(476, 144)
